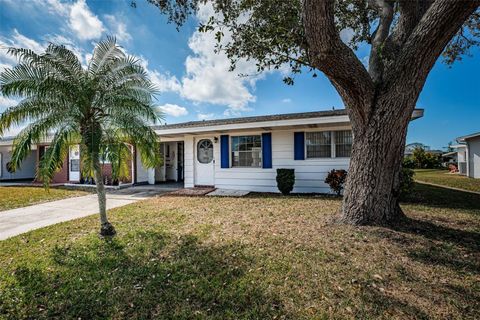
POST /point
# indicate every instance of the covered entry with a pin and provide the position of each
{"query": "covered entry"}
(172, 168)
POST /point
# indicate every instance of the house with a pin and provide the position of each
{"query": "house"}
(69, 173)
(456, 157)
(469, 155)
(244, 153)
(409, 148)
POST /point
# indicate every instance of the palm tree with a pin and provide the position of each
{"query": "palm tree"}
(104, 107)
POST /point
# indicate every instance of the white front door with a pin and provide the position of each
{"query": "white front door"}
(74, 165)
(204, 162)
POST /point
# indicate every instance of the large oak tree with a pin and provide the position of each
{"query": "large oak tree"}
(405, 37)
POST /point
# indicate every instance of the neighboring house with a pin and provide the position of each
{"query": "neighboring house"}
(69, 173)
(469, 155)
(244, 153)
(409, 148)
(457, 157)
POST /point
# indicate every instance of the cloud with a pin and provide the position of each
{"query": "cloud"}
(205, 116)
(86, 25)
(6, 103)
(118, 28)
(286, 100)
(173, 110)
(208, 78)
(16, 40)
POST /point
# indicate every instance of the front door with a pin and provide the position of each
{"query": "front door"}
(204, 162)
(74, 167)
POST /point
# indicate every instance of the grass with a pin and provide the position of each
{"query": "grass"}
(444, 178)
(16, 197)
(258, 257)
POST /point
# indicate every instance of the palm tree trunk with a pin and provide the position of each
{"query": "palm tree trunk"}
(106, 229)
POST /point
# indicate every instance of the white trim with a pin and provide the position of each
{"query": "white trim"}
(255, 125)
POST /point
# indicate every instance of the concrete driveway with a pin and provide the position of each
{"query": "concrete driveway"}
(16, 221)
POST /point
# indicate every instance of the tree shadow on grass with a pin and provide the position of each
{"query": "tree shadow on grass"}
(439, 197)
(436, 244)
(149, 275)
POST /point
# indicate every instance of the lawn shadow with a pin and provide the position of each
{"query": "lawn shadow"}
(438, 244)
(439, 197)
(148, 275)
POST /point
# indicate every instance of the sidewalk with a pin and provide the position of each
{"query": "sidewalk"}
(16, 221)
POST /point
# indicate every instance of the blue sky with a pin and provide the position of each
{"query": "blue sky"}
(195, 82)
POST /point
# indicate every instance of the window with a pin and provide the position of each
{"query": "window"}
(319, 144)
(1, 164)
(343, 143)
(74, 165)
(205, 151)
(329, 144)
(247, 151)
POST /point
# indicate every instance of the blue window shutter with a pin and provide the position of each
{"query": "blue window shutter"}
(267, 150)
(299, 145)
(224, 152)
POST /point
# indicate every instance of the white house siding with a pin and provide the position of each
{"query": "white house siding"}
(474, 157)
(26, 171)
(141, 171)
(188, 165)
(309, 173)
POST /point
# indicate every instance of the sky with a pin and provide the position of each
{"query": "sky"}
(194, 82)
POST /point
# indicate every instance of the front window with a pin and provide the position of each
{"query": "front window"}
(329, 144)
(247, 151)
(319, 144)
(343, 143)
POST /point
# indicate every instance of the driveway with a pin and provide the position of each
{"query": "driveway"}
(16, 221)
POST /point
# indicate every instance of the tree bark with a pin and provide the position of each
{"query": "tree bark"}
(106, 228)
(373, 184)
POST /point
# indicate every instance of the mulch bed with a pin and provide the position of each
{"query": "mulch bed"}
(197, 191)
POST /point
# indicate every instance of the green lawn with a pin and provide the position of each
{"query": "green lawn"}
(258, 257)
(444, 178)
(15, 197)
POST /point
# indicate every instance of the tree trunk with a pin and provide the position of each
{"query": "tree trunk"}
(106, 229)
(373, 183)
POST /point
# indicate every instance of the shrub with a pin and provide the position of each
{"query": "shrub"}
(285, 180)
(425, 160)
(336, 180)
(406, 182)
(409, 162)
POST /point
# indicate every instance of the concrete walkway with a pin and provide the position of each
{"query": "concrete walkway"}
(16, 221)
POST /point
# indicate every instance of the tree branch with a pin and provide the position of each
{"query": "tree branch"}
(421, 50)
(335, 59)
(376, 64)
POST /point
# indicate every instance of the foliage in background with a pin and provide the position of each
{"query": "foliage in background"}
(285, 180)
(336, 180)
(407, 182)
(421, 159)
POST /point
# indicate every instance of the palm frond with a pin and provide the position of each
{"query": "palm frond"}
(105, 51)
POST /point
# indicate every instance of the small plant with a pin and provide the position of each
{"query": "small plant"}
(285, 180)
(336, 180)
(406, 182)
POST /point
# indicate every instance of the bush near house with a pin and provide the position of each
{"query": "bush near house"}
(336, 180)
(285, 180)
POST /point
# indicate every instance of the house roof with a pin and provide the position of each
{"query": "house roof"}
(417, 113)
(274, 117)
(469, 136)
